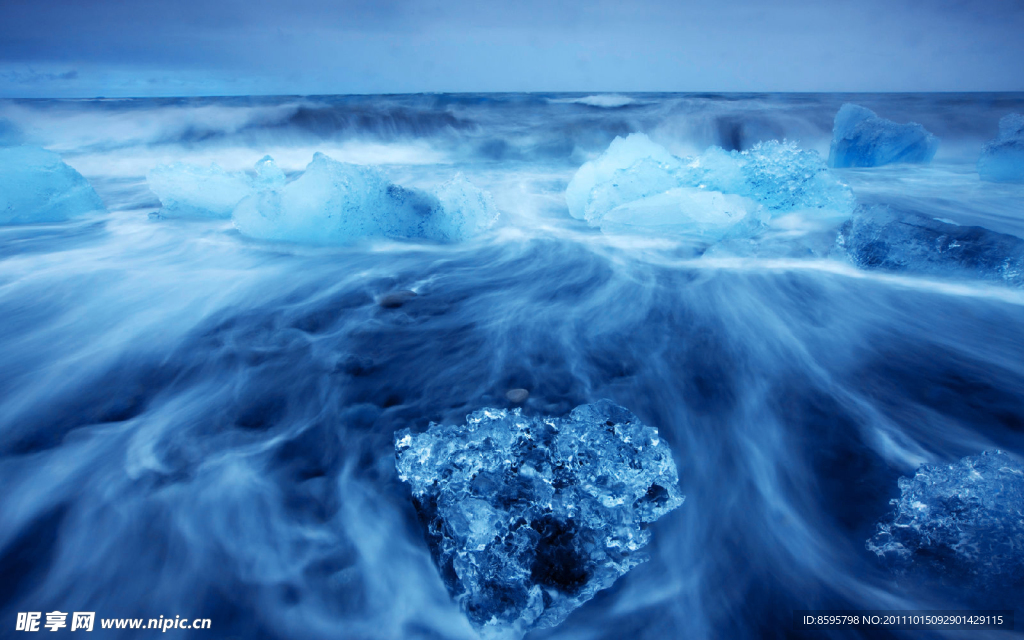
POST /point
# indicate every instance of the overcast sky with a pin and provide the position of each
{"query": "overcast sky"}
(92, 48)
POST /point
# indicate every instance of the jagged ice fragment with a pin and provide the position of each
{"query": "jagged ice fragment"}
(879, 237)
(962, 522)
(37, 186)
(862, 139)
(528, 517)
(1002, 160)
(335, 203)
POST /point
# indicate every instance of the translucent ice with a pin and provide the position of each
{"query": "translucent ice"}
(862, 139)
(639, 184)
(37, 186)
(193, 191)
(336, 203)
(462, 212)
(1002, 160)
(878, 237)
(699, 214)
(631, 168)
(963, 522)
(527, 518)
(785, 178)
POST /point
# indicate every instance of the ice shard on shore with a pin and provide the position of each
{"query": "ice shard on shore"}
(37, 186)
(637, 184)
(528, 517)
(960, 523)
(862, 139)
(880, 237)
(1002, 160)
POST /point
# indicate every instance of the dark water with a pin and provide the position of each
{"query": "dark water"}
(196, 424)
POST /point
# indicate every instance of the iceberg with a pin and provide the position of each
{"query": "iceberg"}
(193, 191)
(631, 168)
(639, 184)
(1002, 160)
(878, 237)
(528, 517)
(862, 139)
(335, 203)
(37, 186)
(960, 522)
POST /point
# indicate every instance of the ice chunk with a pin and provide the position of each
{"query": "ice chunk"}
(527, 518)
(962, 522)
(462, 211)
(643, 184)
(879, 237)
(268, 174)
(699, 214)
(1002, 160)
(335, 203)
(862, 139)
(785, 178)
(631, 168)
(193, 191)
(37, 186)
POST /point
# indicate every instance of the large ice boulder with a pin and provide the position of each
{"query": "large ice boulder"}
(195, 191)
(334, 203)
(1002, 160)
(879, 237)
(862, 139)
(631, 168)
(960, 524)
(638, 184)
(528, 517)
(37, 186)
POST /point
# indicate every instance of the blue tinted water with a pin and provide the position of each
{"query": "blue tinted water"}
(197, 424)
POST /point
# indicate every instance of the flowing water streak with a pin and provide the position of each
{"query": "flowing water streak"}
(194, 423)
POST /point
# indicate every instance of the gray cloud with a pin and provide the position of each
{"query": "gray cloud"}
(320, 46)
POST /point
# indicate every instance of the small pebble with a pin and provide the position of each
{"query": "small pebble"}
(517, 395)
(395, 299)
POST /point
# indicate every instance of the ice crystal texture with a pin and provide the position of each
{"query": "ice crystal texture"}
(879, 237)
(637, 183)
(1002, 160)
(527, 518)
(962, 521)
(37, 186)
(336, 203)
(862, 139)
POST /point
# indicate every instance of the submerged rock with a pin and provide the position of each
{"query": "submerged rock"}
(395, 299)
(962, 523)
(517, 395)
(878, 237)
(527, 518)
